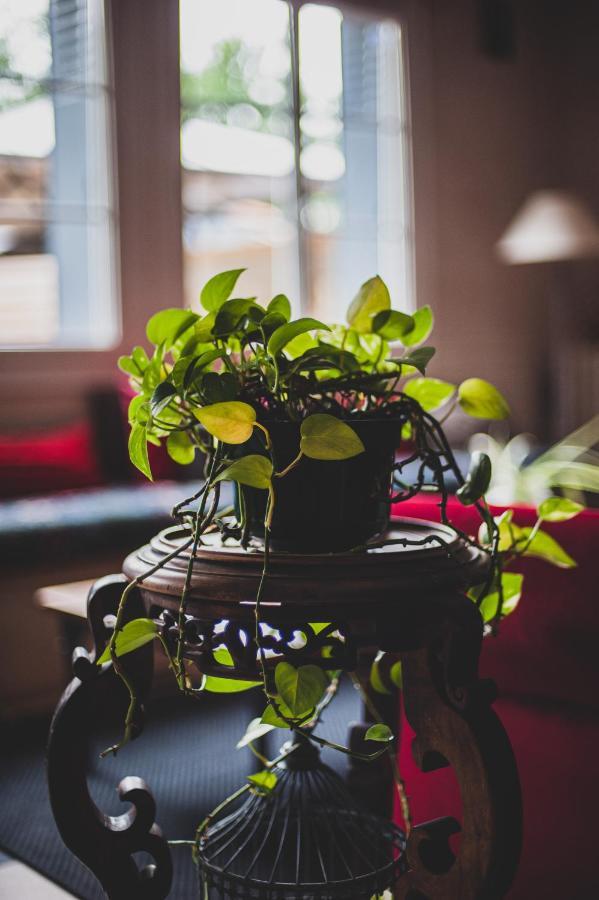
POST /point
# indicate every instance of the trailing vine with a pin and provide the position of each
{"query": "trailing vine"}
(218, 381)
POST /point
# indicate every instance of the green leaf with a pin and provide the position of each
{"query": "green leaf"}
(431, 393)
(223, 657)
(509, 533)
(253, 470)
(140, 358)
(227, 685)
(372, 298)
(477, 481)
(396, 674)
(391, 324)
(138, 449)
(202, 332)
(265, 781)
(180, 448)
(326, 437)
(139, 410)
(217, 387)
(481, 400)
(286, 333)
(133, 635)
(317, 627)
(559, 509)
(423, 325)
(299, 345)
(381, 733)
(166, 326)
(127, 364)
(543, 546)
(418, 358)
(161, 397)
(376, 680)
(269, 716)
(231, 422)
(301, 688)
(512, 591)
(218, 289)
(281, 305)
(255, 730)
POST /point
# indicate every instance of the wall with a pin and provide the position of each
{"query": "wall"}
(502, 129)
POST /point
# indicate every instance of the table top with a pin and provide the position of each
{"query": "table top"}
(413, 560)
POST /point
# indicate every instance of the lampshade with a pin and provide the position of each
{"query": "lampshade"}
(550, 226)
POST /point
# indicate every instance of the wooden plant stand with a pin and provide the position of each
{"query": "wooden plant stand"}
(408, 599)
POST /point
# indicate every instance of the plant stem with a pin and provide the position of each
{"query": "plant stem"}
(399, 782)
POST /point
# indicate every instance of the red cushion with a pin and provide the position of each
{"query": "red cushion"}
(51, 461)
(547, 647)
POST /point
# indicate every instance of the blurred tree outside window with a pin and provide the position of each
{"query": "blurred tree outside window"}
(295, 151)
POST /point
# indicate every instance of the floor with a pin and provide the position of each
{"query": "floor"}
(19, 881)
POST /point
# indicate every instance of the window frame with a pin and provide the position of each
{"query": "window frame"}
(49, 385)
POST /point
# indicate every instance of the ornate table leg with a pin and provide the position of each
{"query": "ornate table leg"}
(450, 711)
(105, 844)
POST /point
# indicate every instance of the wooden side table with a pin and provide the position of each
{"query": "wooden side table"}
(407, 597)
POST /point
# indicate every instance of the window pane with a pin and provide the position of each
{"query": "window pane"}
(239, 192)
(57, 273)
(312, 196)
(354, 207)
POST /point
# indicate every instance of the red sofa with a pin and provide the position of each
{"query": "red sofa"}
(545, 663)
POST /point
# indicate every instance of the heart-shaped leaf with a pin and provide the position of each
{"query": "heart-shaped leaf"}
(219, 288)
(417, 359)
(286, 333)
(179, 447)
(253, 470)
(162, 396)
(255, 730)
(559, 509)
(512, 590)
(421, 329)
(543, 546)
(372, 298)
(481, 400)
(301, 688)
(265, 781)
(216, 685)
(281, 305)
(270, 717)
(138, 449)
(166, 326)
(326, 437)
(381, 733)
(231, 422)
(478, 479)
(133, 635)
(431, 393)
(391, 324)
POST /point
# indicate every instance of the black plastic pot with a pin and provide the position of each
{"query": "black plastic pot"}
(327, 506)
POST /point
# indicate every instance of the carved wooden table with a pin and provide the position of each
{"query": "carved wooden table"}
(403, 598)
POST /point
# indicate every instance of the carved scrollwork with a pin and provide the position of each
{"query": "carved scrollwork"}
(105, 844)
(449, 710)
(300, 644)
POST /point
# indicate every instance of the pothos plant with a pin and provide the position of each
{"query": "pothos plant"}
(219, 380)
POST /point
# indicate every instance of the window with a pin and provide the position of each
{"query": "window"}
(57, 253)
(294, 147)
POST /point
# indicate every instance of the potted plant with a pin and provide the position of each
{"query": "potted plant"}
(305, 419)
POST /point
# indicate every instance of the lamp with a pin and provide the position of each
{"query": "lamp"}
(555, 226)
(550, 226)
